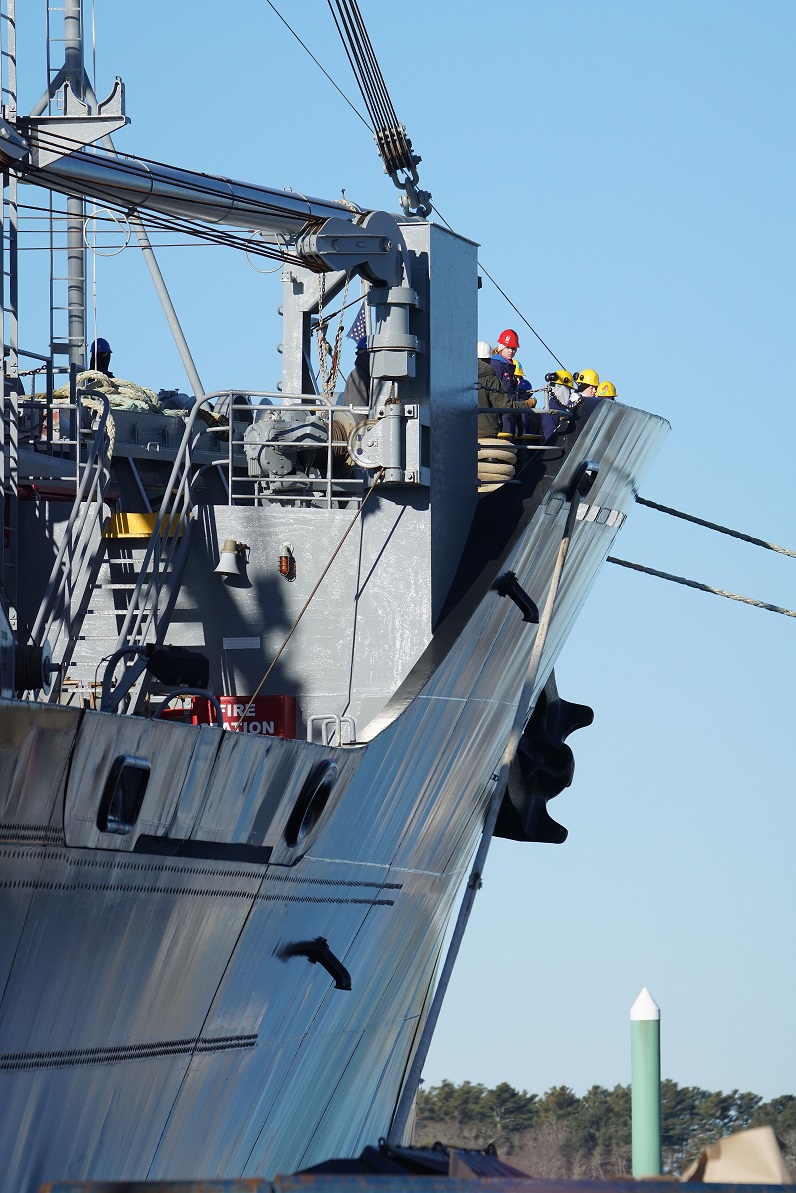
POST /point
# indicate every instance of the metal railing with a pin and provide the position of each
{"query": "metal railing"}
(246, 488)
(72, 571)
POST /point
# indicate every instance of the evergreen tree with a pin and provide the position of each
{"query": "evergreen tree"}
(562, 1136)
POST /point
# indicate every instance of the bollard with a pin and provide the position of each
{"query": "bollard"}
(645, 1064)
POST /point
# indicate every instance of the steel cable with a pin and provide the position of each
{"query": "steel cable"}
(736, 534)
(731, 596)
(390, 134)
(317, 63)
(144, 167)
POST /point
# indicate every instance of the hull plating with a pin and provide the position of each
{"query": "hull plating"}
(148, 1026)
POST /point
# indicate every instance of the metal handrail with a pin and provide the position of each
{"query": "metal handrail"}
(77, 538)
(324, 486)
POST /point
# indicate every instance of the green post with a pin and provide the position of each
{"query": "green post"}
(645, 1061)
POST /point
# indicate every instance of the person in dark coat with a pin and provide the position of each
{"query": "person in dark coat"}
(560, 396)
(357, 386)
(492, 394)
(100, 359)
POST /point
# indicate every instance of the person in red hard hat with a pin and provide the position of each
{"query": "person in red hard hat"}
(503, 360)
(491, 394)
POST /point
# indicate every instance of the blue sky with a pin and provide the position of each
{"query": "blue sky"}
(628, 171)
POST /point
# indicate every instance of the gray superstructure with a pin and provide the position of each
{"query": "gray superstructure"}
(217, 947)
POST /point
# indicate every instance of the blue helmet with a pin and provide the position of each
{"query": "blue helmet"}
(100, 347)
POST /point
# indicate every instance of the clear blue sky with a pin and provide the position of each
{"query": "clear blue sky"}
(628, 170)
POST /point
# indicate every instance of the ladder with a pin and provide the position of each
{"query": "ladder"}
(143, 565)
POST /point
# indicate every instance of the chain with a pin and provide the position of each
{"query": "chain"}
(329, 368)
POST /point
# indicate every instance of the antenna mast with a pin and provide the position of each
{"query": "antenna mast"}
(73, 74)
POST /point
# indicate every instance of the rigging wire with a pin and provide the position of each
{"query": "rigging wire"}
(365, 95)
(142, 168)
(353, 108)
(190, 227)
(516, 309)
(736, 534)
(731, 596)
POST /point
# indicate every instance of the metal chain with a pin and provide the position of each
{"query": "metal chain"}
(329, 370)
(324, 347)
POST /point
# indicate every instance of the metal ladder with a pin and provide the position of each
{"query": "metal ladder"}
(160, 568)
(74, 572)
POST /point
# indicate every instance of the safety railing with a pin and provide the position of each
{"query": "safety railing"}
(72, 571)
(321, 474)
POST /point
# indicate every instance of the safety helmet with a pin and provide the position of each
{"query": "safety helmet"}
(509, 339)
(518, 369)
(100, 347)
(560, 377)
(483, 350)
(587, 377)
(606, 389)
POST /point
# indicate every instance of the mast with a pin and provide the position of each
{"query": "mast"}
(75, 207)
(72, 73)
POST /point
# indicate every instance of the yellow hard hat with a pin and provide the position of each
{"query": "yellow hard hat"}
(587, 377)
(518, 369)
(560, 377)
(606, 389)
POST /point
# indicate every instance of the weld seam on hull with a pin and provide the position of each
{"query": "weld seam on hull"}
(118, 861)
(38, 884)
(347, 861)
(35, 833)
(67, 1057)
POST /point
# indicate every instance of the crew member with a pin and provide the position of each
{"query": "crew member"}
(586, 383)
(524, 425)
(491, 394)
(101, 357)
(560, 396)
(503, 360)
(357, 386)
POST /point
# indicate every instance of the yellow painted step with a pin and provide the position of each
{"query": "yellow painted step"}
(139, 526)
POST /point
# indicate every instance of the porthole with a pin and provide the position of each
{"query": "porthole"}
(124, 793)
(311, 802)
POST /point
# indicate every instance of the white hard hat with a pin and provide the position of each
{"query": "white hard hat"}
(484, 350)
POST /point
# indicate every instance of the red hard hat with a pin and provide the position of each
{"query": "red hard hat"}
(509, 338)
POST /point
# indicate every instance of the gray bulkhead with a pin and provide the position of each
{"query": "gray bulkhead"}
(355, 643)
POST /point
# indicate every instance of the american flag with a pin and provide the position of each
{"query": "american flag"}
(358, 328)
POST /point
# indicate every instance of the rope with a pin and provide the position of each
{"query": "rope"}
(731, 596)
(736, 534)
(306, 604)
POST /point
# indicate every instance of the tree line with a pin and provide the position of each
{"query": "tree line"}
(559, 1135)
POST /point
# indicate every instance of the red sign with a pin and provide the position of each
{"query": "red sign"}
(265, 716)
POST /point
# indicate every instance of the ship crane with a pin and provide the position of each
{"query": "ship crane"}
(324, 235)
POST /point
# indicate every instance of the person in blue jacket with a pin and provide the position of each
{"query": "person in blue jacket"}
(503, 360)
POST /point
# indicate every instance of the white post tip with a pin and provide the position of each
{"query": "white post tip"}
(645, 1007)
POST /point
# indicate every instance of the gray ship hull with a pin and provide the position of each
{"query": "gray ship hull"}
(150, 1025)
